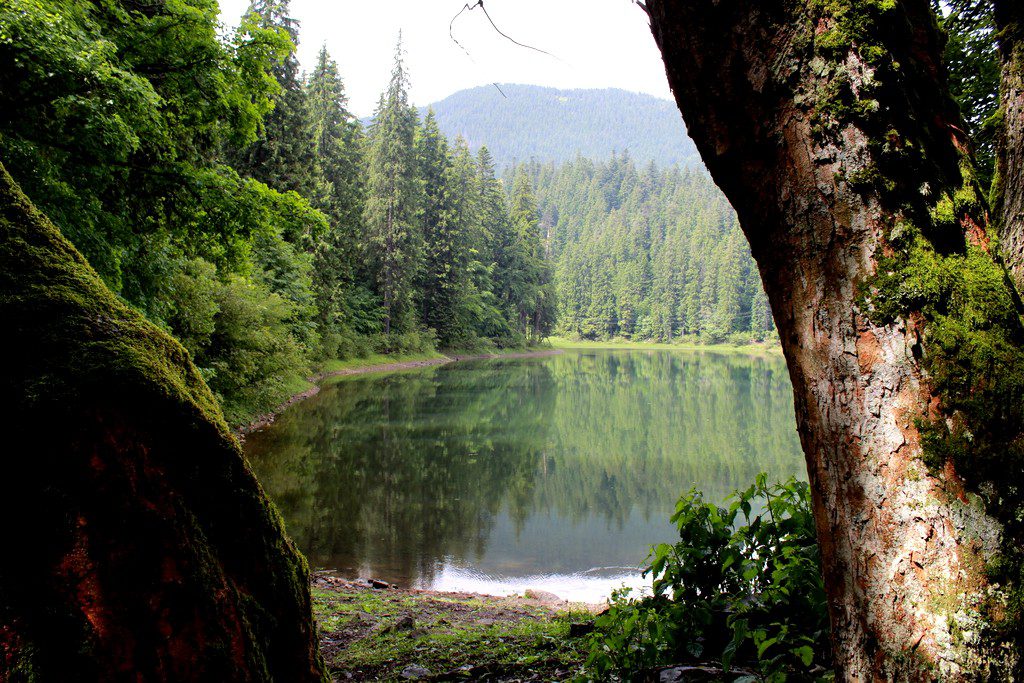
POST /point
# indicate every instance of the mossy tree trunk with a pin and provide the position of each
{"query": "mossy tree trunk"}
(829, 126)
(137, 544)
(1008, 197)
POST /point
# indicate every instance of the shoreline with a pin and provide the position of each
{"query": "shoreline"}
(371, 631)
(749, 349)
(261, 421)
(531, 597)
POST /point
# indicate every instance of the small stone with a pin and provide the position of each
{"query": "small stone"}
(376, 583)
(404, 623)
(415, 671)
(543, 597)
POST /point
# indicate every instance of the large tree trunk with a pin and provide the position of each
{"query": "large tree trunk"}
(137, 545)
(1008, 198)
(829, 126)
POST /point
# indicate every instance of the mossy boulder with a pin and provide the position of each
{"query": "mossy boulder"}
(137, 545)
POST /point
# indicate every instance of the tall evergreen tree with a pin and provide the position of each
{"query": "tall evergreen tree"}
(533, 295)
(448, 223)
(392, 213)
(344, 304)
(497, 242)
(282, 155)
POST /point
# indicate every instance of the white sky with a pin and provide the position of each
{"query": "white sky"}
(599, 44)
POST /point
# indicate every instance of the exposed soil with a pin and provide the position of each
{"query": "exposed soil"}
(388, 633)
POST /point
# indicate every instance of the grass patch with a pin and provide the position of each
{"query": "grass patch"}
(379, 634)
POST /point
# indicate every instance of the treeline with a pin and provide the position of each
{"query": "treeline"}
(239, 204)
(647, 254)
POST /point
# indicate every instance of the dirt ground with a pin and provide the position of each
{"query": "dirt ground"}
(386, 633)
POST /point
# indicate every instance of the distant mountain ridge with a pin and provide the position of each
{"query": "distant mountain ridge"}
(547, 124)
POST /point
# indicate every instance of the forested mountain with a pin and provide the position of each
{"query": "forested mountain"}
(646, 253)
(532, 122)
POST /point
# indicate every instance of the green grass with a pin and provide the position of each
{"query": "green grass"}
(752, 348)
(449, 633)
(297, 385)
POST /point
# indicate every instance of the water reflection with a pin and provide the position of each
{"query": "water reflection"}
(490, 475)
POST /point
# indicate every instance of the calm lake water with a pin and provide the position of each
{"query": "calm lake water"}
(556, 473)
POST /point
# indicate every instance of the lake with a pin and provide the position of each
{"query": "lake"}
(556, 473)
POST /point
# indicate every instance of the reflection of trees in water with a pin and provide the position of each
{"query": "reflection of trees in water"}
(649, 425)
(403, 470)
(400, 471)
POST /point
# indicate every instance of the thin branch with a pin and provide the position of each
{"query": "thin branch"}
(480, 4)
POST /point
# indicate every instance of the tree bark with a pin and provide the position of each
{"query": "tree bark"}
(1008, 195)
(137, 544)
(829, 126)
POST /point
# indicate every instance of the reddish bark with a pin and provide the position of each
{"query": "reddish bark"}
(1009, 194)
(828, 125)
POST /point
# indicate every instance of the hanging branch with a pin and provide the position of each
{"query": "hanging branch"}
(480, 4)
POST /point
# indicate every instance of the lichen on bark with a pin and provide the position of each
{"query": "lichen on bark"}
(139, 545)
(829, 125)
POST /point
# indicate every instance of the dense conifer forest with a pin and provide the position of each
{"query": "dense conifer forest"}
(647, 253)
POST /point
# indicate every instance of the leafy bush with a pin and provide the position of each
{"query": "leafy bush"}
(413, 341)
(742, 586)
(240, 335)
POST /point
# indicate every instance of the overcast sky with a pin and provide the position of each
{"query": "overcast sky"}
(598, 44)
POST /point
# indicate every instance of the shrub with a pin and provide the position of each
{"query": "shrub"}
(742, 585)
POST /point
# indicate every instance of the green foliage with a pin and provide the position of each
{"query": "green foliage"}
(198, 173)
(113, 114)
(281, 155)
(241, 336)
(973, 62)
(742, 586)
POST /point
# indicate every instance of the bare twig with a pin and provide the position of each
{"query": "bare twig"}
(469, 7)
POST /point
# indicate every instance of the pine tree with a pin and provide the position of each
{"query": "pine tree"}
(392, 212)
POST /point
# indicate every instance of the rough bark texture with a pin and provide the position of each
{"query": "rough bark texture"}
(1008, 195)
(137, 544)
(828, 125)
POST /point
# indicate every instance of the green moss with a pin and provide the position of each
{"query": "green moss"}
(136, 509)
(936, 273)
(449, 632)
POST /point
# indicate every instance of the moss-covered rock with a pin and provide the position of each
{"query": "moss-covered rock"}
(138, 545)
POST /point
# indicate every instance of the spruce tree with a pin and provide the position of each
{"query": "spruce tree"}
(533, 292)
(440, 278)
(335, 135)
(393, 201)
